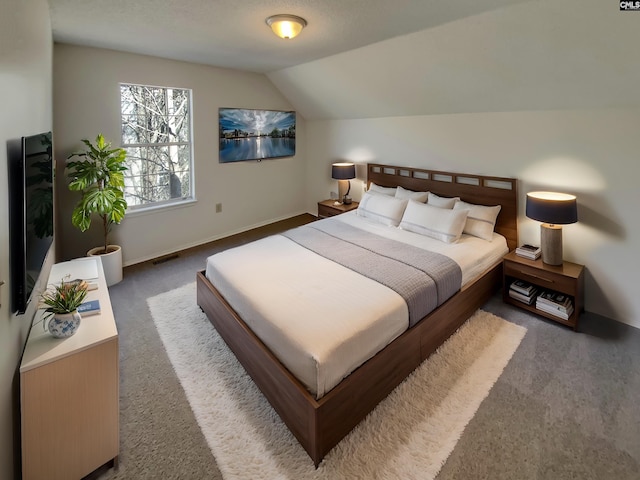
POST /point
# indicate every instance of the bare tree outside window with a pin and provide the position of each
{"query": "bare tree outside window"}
(156, 133)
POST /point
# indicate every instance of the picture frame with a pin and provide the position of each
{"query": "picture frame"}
(252, 134)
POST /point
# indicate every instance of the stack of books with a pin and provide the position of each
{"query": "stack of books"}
(523, 291)
(555, 303)
(529, 251)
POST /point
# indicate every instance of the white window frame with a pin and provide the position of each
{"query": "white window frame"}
(172, 202)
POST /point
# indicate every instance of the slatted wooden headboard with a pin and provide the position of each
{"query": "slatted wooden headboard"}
(471, 188)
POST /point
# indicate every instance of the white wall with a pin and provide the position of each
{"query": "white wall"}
(590, 153)
(87, 102)
(25, 86)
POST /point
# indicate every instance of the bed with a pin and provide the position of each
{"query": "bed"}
(320, 405)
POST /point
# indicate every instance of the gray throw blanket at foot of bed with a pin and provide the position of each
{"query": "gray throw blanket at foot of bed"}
(422, 278)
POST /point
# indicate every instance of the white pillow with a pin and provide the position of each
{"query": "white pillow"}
(439, 223)
(382, 208)
(411, 195)
(442, 202)
(481, 220)
(385, 190)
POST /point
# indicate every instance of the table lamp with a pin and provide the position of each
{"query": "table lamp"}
(343, 172)
(554, 210)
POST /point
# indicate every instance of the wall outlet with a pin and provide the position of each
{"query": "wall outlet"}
(218, 207)
(334, 195)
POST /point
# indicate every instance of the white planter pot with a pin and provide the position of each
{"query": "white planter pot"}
(111, 262)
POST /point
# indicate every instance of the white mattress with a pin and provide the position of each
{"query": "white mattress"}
(323, 320)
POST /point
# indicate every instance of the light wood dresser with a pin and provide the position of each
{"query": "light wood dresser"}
(69, 389)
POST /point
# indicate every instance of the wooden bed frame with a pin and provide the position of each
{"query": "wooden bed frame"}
(320, 424)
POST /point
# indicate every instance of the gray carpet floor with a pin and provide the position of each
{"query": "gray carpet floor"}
(566, 407)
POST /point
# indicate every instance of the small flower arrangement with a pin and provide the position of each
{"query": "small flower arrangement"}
(64, 298)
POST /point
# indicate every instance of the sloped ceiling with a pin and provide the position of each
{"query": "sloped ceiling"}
(381, 58)
(233, 34)
(541, 55)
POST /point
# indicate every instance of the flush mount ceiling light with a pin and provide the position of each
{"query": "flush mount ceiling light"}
(286, 26)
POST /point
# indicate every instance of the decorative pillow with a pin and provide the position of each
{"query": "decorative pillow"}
(442, 202)
(382, 208)
(435, 222)
(385, 190)
(411, 195)
(481, 220)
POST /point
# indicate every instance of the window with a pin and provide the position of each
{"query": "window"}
(156, 133)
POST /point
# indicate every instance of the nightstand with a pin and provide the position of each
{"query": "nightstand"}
(567, 279)
(326, 208)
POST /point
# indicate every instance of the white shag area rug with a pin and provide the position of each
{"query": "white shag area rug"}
(409, 435)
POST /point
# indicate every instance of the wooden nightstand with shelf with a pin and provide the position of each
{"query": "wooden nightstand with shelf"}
(327, 208)
(567, 278)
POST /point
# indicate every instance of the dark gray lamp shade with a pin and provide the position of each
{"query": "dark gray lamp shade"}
(551, 207)
(553, 210)
(343, 171)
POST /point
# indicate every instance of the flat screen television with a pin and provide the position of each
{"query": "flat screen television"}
(31, 216)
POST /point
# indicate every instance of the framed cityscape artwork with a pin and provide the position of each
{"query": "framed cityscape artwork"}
(247, 134)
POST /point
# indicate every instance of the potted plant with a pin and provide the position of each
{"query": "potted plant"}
(99, 176)
(62, 302)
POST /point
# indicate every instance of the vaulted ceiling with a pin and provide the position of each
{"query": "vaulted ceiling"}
(233, 34)
(532, 56)
(381, 58)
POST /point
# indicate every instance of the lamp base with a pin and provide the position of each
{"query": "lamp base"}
(551, 243)
(343, 189)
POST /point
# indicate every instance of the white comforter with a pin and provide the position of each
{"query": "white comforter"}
(319, 318)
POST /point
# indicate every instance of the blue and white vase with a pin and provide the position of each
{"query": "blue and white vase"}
(63, 325)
